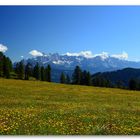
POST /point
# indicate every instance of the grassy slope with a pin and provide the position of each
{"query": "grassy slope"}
(40, 108)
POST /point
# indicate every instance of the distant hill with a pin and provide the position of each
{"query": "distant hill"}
(122, 76)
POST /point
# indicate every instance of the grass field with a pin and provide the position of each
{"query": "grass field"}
(41, 108)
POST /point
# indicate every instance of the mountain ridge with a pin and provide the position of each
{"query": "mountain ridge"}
(66, 63)
(90, 63)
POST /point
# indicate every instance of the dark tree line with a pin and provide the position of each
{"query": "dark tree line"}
(65, 79)
(79, 77)
(134, 84)
(19, 70)
(22, 71)
(38, 72)
(5, 66)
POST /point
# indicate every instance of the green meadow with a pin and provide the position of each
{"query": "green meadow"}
(41, 108)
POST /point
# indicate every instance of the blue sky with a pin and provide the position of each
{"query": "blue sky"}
(62, 29)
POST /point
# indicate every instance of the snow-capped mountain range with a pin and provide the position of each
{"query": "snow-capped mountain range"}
(98, 63)
(93, 63)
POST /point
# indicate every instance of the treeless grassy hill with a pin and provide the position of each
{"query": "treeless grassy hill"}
(41, 108)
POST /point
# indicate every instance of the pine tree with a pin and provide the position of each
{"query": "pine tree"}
(67, 79)
(42, 74)
(27, 71)
(138, 84)
(77, 75)
(37, 71)
(10, 65)
(88, 79)
(49, 73)
(1, 64)
(132, 84)
(46, 74)
(21, 70)
(119, 84)
(62, 78)
(83, 78)
(6, 67)
(108, 83)
(96, 81)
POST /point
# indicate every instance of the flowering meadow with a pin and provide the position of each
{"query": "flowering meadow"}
(41, 108)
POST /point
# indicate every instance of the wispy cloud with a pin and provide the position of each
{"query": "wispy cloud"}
(124, 56)
(35, 53)
(3, 48)
(86, 54)
(103, 55)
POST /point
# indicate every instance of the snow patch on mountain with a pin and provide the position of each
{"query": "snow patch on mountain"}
(59, 62)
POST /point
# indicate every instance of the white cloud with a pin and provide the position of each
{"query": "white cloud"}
(35, 53)
(103, 55)
(87, 54)
(123, 56)
(3, 48)
(21, 56)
